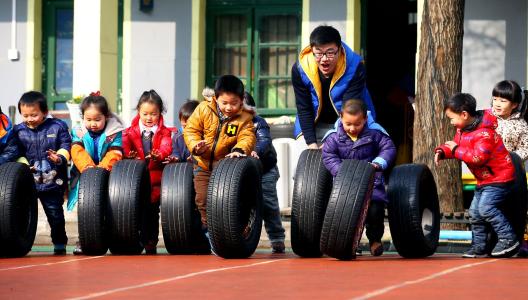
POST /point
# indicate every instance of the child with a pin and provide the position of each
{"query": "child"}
(148, 139)
(98, 143)
(179, 150)
(218, 128)
(45, 143)
(506, 106)
(265, 151)
(353, 140)
(481, 148)
(8, 143)
(509, 108)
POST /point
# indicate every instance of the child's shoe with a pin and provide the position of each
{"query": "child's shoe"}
(59, 249)
(359, 252)
(474, 252)
(505, 248)
(278, 247)
(523, 251)
(376, 248)
(77, 250)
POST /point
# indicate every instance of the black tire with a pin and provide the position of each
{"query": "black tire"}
(18, 210)
(311, 190)
(128, 195)
(91, 211)
(180, 220)
(516, 204)
(414, 211)
(234, 199)
(347, 209)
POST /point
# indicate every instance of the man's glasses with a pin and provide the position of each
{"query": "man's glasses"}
(329, 54)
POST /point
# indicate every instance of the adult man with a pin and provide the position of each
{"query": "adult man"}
(327, 73)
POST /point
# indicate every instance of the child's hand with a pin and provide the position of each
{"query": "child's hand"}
(54, 157)
(313, 146)
(170, 159)
(154, 155)
(201, 147)
(132, 154)
(376, 166)
(254, 154)
(437, 158)
(451, 145)
(235, 154)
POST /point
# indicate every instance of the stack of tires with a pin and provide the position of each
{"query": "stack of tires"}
(18, 210)
(111, 208)
(328, 217)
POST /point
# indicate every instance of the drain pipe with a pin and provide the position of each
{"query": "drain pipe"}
(12, 53)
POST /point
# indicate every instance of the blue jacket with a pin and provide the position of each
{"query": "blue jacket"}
(346, 68)
(179, 149)
(51, 134)
(9, 150)
(371, 145)
(264, 146)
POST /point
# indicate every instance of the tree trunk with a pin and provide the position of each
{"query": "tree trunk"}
(439, 77)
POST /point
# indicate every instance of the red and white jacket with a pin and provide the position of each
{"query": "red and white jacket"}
(483, 151)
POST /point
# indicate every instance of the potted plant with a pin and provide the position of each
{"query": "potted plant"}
(74, 107)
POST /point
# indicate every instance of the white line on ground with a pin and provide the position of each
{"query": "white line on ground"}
(162, 281)
(410, 282)
(49, 264)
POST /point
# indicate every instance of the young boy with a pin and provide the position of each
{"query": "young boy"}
(179, 149)
(265, 151)
(45, 142)
(8, 143)
(218, 128)
(478, 145)
(353, 140)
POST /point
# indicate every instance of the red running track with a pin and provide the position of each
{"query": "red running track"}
(263, 276)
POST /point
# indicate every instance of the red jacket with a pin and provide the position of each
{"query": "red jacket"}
(161, 142)
(481, 148)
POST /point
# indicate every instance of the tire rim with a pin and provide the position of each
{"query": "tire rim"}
(427, 221)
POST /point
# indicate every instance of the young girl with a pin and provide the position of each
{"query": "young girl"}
(509, 108)
(148, 139)
(354, 140)
(98, 143)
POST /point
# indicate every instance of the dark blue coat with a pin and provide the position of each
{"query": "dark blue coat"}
(51, 134)
(264, 146)
(9, 150)
(179, 149)
(371, 146)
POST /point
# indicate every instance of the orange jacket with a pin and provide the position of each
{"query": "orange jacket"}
(233, 134)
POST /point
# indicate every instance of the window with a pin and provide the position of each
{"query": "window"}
(258, 42)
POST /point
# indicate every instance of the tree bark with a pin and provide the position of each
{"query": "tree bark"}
(439, 77)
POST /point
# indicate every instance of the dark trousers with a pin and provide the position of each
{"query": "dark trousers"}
(375, 221)
(151, 224)
(52, 203)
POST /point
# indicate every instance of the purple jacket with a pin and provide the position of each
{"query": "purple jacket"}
(371, 145)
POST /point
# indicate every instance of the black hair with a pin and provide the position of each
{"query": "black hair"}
(34, 98)
(509, 89)
(153, 98)
(354, 107)
(248, 99)
(229, 84)
(187, 109)
(461, 102)
(98, 101)
(325, 34)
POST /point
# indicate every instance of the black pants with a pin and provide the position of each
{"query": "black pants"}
(151, 224)
(375, 221)
(52, 203)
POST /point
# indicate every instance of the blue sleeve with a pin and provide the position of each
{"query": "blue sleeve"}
(331, 158)
(305, 109)
(387, 152)
(263, 137)
(118, 141)
(11, 149)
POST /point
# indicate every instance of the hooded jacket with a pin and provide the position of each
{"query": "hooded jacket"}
(222, 134)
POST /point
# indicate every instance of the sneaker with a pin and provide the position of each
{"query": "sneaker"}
(359, 252)
(278, 247)
(523, 251)
(376, 248)
(59, 249)
(208, 236)
(474, 253)
(77, 250)
(505, 248)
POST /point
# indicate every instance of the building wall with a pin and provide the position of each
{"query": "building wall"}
(159, 55)
(495, 46)
(328, 12)
(12, 73)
